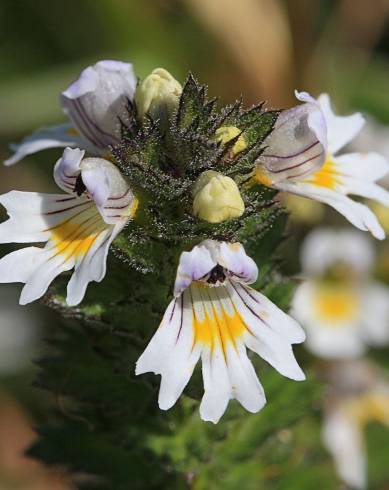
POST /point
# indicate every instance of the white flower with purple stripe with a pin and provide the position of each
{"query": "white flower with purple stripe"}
(301, 157)
(78, 227)
(216, 315)
(297, 145)
(95, 103)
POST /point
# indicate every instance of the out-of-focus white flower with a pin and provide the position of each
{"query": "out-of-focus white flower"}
(341, 308)
(216, 198)
(215, 315)
(78, 227)
(95, 103)
(158, 92)
(364, 399)
(374, 135)
(301, 157)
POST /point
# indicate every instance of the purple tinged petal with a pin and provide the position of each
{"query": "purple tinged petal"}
(297, 146)
(233, 257)
(197, 263)
(51, 137)
(108, 189)
(86, 83)
(193, 265)
(67, 168)
(98, 99)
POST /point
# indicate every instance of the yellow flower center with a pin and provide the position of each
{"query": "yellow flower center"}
(133, 207)
(74, 237)
(213, 325)
(336, 304)
(327, 176)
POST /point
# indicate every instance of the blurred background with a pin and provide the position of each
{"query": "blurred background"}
(258, 49)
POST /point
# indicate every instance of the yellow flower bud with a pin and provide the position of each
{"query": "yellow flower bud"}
(159, 91)
(226, 134)
(216, 198)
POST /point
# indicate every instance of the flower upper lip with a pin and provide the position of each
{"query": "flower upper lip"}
(95, 103)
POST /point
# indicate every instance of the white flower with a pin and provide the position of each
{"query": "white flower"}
(215, 315)
(95, 103)
(341, 308)
(346, 416)
(297, 145)
(302, 158)
(78, 226)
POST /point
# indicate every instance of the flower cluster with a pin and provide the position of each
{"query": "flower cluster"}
(211, 173)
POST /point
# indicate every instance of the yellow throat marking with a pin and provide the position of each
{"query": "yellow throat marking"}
(261, 177)
(218, 328)
(73, 238)
(328, 176)
(336, 304)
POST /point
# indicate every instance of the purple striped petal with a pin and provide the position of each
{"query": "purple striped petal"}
(98, 98)
(297, 145)
(99, 180)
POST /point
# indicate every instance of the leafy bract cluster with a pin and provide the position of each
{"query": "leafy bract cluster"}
(162, 158)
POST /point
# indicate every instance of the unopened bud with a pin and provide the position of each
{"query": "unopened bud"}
(158, 93)
(216, 198)
(225, 134)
